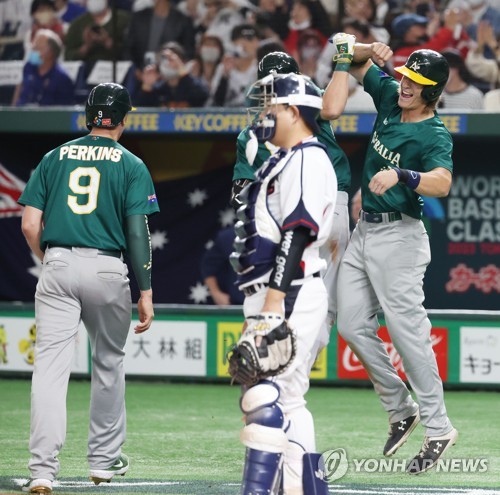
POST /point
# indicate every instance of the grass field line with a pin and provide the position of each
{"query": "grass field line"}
(140, 485)
(421, 490)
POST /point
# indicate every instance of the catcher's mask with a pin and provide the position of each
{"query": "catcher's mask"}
(107, 105)
(275, 89)
(428, 68)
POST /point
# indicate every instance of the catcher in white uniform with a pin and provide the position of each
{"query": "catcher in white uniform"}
(286, 216)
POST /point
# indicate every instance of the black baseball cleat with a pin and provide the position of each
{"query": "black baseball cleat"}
(399, 432)
(431, 451)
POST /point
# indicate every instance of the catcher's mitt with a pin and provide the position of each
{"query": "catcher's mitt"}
(249, 362)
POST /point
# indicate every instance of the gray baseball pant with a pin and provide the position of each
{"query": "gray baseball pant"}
(79, 284)
(384, 267)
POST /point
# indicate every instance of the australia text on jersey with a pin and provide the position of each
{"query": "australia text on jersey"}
(384, 152)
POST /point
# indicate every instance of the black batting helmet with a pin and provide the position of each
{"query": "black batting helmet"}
(279, 62)
(107, 105)
(429, 68)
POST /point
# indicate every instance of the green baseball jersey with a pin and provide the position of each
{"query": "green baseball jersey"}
(86, 188)
(420, 146)
(243, 170)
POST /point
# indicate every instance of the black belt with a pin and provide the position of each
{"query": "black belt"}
(105, 252)
(389, 216)
(253, 289)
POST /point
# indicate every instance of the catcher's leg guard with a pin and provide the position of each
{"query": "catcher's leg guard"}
(313, 477)
(264, 438)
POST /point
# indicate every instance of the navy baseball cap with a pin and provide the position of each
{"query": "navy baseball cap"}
(403, 22)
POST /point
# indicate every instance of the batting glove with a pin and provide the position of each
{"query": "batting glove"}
(344, 44)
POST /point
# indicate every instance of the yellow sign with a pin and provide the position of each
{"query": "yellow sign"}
(346, 123)
(209, 122)
(228, 335)
(452, 122)
(319, 369)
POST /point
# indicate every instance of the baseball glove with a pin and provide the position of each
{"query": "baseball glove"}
(249, 362)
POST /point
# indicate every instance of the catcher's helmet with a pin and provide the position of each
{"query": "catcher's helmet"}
(429, 68)
(290, 89)
(107, 105)
(279, 62)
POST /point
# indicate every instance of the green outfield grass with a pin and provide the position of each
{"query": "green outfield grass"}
(190, 433)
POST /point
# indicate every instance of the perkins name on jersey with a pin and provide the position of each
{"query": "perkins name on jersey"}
(88, 153)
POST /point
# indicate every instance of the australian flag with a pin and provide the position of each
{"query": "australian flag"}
(193, 210)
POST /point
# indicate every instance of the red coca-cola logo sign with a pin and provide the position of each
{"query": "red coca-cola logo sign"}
(349, 366)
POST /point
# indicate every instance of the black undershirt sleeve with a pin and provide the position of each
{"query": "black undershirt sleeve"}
(287, 262)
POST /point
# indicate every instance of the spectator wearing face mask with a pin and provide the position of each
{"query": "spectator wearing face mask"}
(44, 82)
(410, 33)
(238, 69)
(44, 16)
(301, 18)
(95, 35)
(208, 57)
(309, 48)
(169, 84)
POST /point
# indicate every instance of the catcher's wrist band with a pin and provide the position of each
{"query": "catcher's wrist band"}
(409, 178)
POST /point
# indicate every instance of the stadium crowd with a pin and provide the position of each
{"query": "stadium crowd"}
(204, 53)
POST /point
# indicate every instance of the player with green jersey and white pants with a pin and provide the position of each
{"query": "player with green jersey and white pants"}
(251, 155)
(408, 156)
(87, 203)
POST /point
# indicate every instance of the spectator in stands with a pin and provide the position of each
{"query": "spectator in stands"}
(366, 11)
(14, 24)
(168, 83)
(44, 82)
(208, 58)
(459, 93)
(151, 28)
(194, 9)
(95, 35)
(411, 34)
(486, 69)
(44, 16)
(218, 274)
(238, 69)
(272, 18)
(309, 47)
(301, 18)
(67, 11)
(479, 10)
(221, 17)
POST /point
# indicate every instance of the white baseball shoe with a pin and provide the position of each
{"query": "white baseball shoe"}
(120, 467)
(38, 485)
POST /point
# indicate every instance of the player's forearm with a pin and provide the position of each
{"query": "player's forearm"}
(362, 52)
(335, 96)
(32, 227)
(436, 183)
(139, 249)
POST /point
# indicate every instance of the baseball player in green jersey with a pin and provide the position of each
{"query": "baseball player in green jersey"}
(87, 203)
(251, 155)
(408, 156)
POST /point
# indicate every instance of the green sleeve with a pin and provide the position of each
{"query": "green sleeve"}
(35, 192)
(139, 249)
(242, 169)
(381, 87)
